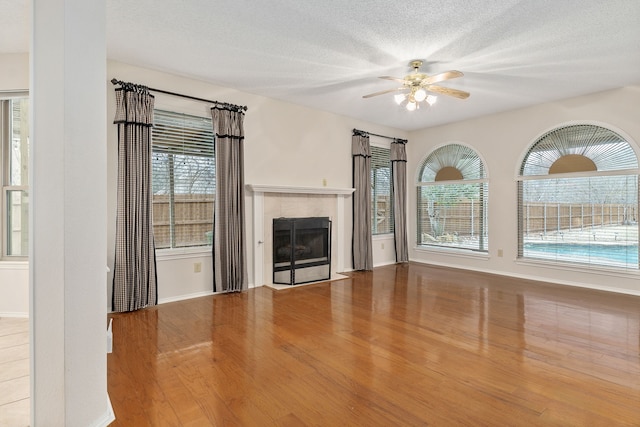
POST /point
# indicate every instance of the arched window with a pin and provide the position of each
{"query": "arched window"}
(452, 199)
(578, 198)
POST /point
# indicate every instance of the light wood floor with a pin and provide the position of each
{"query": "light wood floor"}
(405, 345)
(14, 372)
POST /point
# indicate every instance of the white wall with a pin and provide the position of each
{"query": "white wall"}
(502, 140)
(285, 144)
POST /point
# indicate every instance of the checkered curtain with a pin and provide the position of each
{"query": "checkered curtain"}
(398, 157)
(134, 277)
(229, 252)
(362, 246)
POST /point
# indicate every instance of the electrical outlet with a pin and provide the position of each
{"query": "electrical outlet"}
(500, 253)
(381, 245)
(197, 267)
(324, 182)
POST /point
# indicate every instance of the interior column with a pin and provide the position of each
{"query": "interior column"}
(68, 213)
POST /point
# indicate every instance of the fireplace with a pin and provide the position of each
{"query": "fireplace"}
(301, 250)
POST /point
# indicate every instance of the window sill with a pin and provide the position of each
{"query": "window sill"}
(14, 265)
(183, 253)
(580, 268)
(385, 236)
(455, 252)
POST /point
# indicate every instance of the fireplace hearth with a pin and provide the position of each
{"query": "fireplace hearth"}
(301, 250)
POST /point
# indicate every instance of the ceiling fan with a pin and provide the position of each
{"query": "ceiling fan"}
(416, 87)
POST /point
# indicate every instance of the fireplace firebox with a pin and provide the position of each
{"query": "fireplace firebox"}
(301, 250)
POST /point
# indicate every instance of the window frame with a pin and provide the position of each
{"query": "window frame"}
(481, 180)
(180, 251)
(5, 172)
(386, 147)
(619, 169)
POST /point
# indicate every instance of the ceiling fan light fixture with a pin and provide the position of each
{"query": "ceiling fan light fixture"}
(417, 87)
(399, 98)
(420, 95)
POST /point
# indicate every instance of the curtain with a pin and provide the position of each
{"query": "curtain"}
(134, 277)
(362, 248)
(229, 252)
(398, 157)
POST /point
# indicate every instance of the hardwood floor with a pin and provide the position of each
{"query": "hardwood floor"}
(405, 345)
(14, 372)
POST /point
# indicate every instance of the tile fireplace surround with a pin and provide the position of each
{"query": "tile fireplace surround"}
(275, 201)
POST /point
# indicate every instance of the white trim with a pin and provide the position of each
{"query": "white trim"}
(258, 220)
(382, 264)
(186, 297)
(15, 314)
(620, 172)
(580, 268)
(455, 252)
(183, 253)
(14, 265)
(258, 188)
(107, 418)
(531, 277)
(383, 236)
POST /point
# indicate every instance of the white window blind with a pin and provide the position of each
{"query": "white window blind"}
(382, 203)
(183, 180)
(589, 220)
(452, 200)
(453, 215)
(587, 212)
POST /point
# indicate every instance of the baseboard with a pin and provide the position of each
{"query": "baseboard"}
(107, 418)
(536, 278)
(185, 297)
(381, 264)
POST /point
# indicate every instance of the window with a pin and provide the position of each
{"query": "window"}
(578, 199)
(382, 203)
(183, 180)
(14, 168)
(452, 200)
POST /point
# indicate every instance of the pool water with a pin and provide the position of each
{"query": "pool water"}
(607, 254)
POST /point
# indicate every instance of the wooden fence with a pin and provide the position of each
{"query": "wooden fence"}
(463, 219)
(547, 217)
(193, 220)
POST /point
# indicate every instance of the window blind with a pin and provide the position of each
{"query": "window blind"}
(587, 216)
(183, 179)
(453, 215)
(452, 199)
(382, 203)
(587, 220)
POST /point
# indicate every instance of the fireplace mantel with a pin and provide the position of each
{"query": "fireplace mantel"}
(288, 189)
(261, 192)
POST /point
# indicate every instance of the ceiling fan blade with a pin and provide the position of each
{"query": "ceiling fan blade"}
(447, 75)
(448, 91)
(395, 79)
(382, 92)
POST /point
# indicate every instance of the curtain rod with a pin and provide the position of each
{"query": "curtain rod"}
(115, 81)
(365, 133)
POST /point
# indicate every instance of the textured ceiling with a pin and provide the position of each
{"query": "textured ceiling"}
(327, 54)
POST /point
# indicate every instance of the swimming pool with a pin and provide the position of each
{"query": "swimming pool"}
(625, 255)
